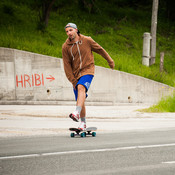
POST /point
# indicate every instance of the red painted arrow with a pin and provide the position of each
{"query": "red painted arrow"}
(51, 78)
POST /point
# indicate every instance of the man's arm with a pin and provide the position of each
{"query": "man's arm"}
(98, 49)
(68, 67)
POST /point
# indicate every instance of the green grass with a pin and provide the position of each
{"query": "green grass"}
(167, 104)
(117, 29)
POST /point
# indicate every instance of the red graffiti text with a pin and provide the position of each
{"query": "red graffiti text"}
(31, 81)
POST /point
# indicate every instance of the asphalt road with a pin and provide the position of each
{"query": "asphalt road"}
(128, 153)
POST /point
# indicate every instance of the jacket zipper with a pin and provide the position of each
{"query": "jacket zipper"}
(79, 55)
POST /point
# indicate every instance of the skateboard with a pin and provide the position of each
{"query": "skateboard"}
(83, 133)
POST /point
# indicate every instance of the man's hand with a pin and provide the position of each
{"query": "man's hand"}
(112, 65)
(74, 84)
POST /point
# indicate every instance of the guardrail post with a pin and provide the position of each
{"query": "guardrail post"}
(146, 49)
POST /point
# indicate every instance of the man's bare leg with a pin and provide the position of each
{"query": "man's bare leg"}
(81, 103)
(83, 111)
(80, 107)
(81, 95)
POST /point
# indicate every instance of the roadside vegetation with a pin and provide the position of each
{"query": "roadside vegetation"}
(115, 25)
(166, 104)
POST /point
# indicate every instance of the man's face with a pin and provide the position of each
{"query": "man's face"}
(71, 33)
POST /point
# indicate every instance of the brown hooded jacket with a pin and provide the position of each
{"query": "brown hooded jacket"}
(78, 58)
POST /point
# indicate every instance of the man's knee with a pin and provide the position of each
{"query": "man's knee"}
(81, 88)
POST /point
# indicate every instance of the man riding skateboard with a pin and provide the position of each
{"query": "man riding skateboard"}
(79, 67)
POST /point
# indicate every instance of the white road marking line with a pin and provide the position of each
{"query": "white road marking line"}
(19, 156)
(88, 151)
(170, 162)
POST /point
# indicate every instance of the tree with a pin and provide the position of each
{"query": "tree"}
(154, 30)
(44, 9)
(87, 5)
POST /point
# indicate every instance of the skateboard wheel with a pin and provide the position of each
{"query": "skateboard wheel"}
(83, 134)
(93, 134)
(72, 135)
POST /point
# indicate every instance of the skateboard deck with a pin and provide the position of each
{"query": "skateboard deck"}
(83, 133)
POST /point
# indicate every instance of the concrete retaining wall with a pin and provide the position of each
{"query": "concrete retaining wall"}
(29, 78)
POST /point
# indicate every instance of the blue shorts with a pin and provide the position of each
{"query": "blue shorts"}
(86, 82)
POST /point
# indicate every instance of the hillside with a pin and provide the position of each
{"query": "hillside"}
(119, 29)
